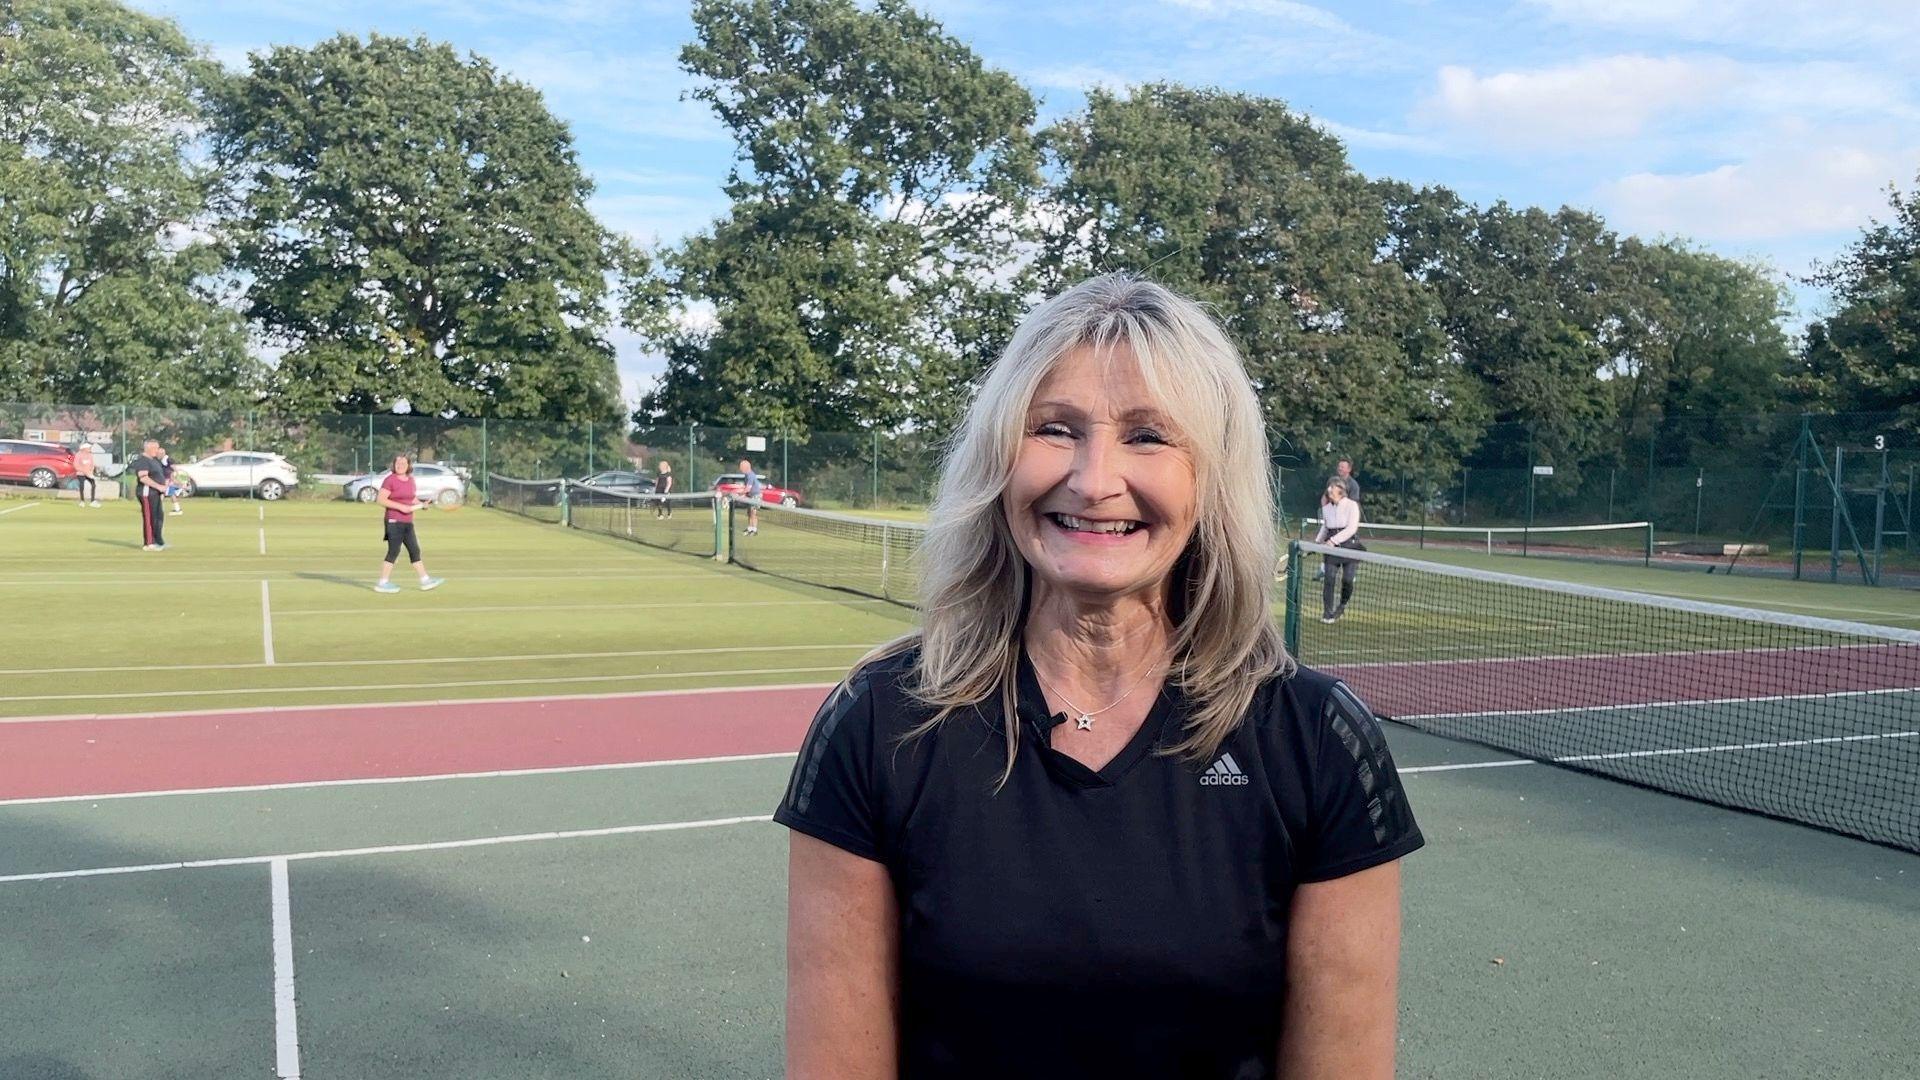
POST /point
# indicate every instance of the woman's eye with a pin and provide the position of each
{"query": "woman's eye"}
(1054, 429)
(1146, 435)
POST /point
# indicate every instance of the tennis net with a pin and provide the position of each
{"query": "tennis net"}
(684, 523)
(869, 556)
(1806, 719)
(1620, 540)
(538, 499)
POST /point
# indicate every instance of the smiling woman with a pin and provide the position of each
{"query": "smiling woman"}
(1195, 877)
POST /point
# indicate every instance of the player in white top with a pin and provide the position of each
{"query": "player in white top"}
(1339, 522)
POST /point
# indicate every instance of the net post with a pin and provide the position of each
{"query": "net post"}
(566, 505)
(722, 528)
(1290, 625)
(886, 549)
(1648, 559)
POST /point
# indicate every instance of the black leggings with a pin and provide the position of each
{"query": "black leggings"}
(88, 492)
(1344, 569)
(400, 534)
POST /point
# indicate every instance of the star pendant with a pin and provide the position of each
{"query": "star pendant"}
(1085, 723)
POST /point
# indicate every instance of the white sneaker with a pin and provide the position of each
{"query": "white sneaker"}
(177, 511)
(95, 504)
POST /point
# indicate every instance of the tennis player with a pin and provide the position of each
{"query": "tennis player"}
(400, 498)
(150, 485)
(663, 486)
(754, 488)
(1339, 521)
(1090, 819)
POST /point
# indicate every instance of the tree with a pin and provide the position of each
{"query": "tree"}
(415, 226)
(1242, 203)
(107, 268)
(862, 275)
(1865, 356)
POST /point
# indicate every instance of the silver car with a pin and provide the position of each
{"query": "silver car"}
(439, 483)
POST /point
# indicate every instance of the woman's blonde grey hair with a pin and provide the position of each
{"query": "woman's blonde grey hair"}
(974, 581)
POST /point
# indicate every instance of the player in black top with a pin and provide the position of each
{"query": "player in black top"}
(1138, 912)
(149, 472)
(1089, 819)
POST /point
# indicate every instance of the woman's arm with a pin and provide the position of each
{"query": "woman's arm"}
(843, 965)
(1343, 969)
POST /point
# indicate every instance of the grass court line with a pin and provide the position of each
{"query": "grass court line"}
(286, 1024)
(230, 691)
(391, 849)
(493, 774)
(266, 622)
(17, 509)
(851, 600)
(388, 661)
(363, 705)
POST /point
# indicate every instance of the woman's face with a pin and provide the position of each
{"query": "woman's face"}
(1102, 500)
(401, 466)
(1335, 493)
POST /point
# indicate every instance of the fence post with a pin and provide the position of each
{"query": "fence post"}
(692, 477)
(1290, 626)
(369, 442)
(486, 475)
(590, 448)
(873, 499)
(786, 448)
(1699, 496)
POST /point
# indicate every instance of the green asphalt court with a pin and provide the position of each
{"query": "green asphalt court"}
(260, 821)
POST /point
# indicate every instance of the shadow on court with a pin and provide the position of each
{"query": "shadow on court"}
(113, 543)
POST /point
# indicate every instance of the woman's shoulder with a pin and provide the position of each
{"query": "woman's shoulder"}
(1300, 701)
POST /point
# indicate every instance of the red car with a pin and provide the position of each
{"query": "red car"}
(44, 465)
(735, 485)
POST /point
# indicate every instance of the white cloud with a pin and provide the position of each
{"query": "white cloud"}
(634, 93)
(1285, 10)
(1869, 26)
(1380, 140)
(1611, 97)
(1082, 78)
(1799, 184)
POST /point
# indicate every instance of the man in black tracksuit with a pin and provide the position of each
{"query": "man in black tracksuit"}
(149, 473)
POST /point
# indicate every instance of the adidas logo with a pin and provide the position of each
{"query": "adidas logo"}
(1225, 771)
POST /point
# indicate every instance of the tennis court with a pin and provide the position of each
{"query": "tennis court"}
(546, 853)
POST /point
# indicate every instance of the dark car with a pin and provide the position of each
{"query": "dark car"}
(44, 465)
(734, 484)
(619, 482)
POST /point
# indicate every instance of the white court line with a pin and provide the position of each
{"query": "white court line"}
(495, 774)
(286, 1024)
(389, 661)
(263, 511)
(266, 622)
(393, 849)
(419, 685)
(861, 601)
(463, 702)
(17, 509)
(263, 540)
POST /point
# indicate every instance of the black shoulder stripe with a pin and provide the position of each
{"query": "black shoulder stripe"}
(819, 740)
(1359, 733)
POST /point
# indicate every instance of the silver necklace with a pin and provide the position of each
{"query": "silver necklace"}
(1084, 720)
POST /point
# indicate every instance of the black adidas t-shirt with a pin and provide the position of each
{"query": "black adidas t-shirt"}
(1125, 922)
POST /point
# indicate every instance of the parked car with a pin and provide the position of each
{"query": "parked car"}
(232, 472)
(441, 483)
(619, 482)
(735, 484)
(42, 464)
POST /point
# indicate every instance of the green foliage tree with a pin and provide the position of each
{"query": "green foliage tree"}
(861, 278)
(415, 226)
(1246, 205)
(1865, 356)
(108, 273)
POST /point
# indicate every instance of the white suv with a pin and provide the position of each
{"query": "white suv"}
(266, 475)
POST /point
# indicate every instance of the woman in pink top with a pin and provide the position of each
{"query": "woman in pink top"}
(83, 469)
(399, 500)
(1339, 521)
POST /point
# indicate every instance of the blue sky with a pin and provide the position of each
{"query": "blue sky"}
(1762, 129)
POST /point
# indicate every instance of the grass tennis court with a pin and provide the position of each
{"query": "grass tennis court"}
(580, 882)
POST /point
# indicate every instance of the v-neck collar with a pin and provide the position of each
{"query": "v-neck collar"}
(1037, 726)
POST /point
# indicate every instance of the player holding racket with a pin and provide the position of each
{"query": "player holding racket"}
(400, 499)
